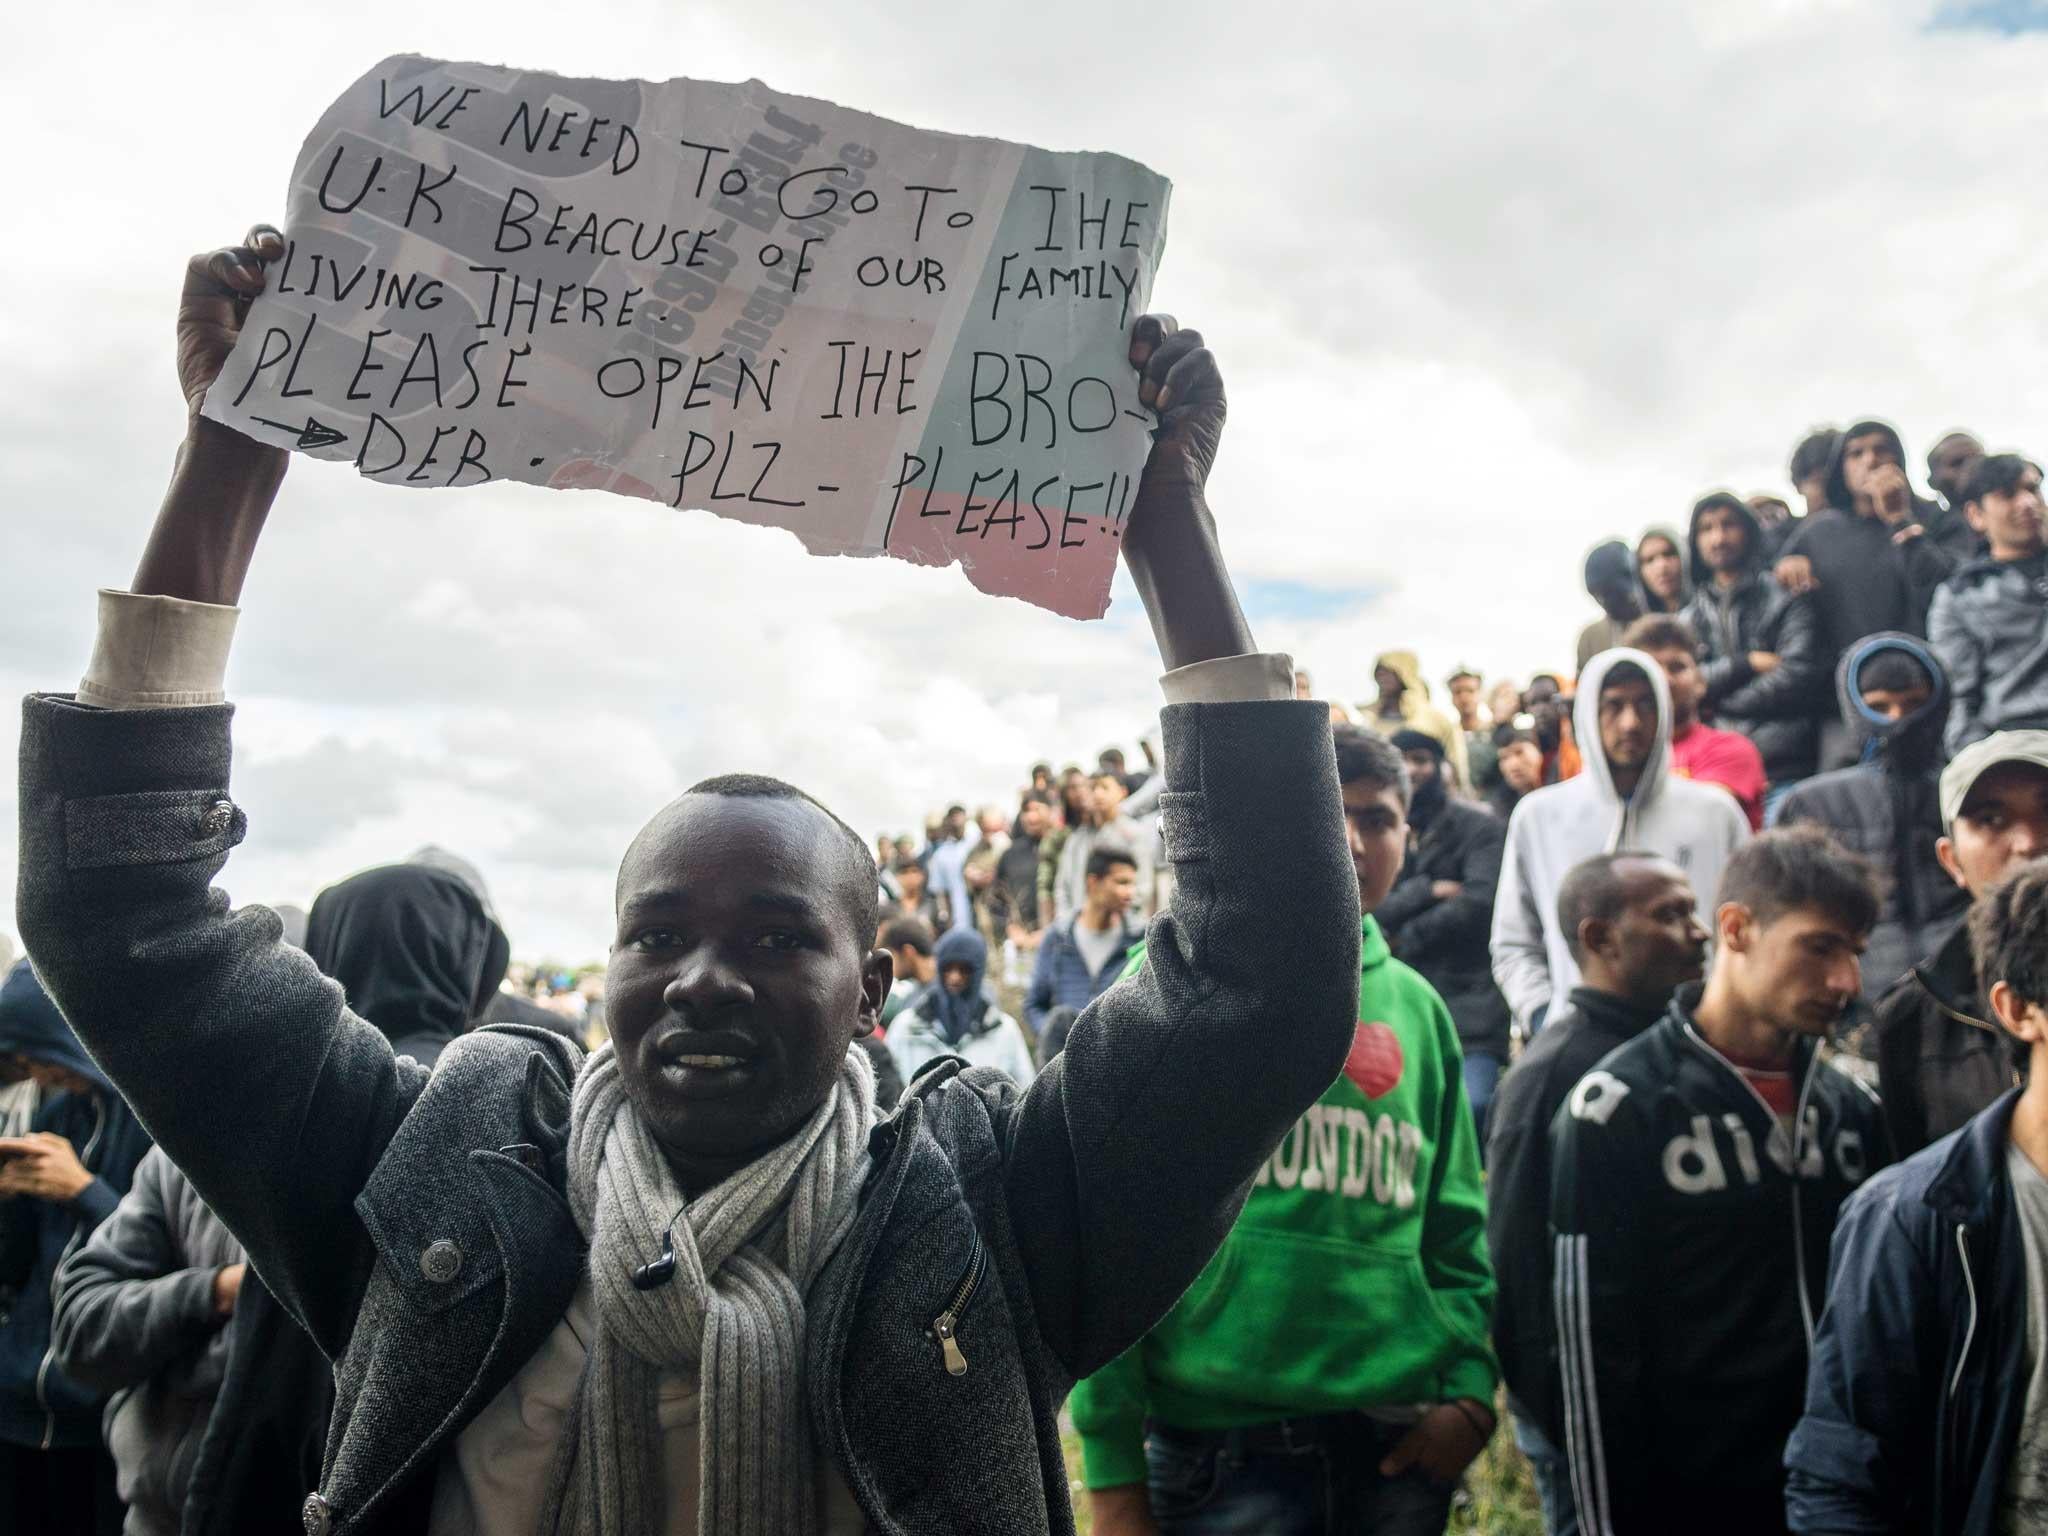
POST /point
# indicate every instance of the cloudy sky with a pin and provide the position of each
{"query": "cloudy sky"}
(1488, 283)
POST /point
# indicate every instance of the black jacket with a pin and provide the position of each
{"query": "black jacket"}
(1571, 1043)
(1940, 1059)
(1887, 809)
(1447, 941)
(1690, 1257)
(1055, 1224)
(1921, 1363)
(1780, 711)
(42, 1404)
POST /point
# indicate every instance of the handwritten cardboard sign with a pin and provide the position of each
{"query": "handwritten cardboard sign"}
(887, 340)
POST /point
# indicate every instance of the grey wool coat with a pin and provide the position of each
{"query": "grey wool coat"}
(416, 1225)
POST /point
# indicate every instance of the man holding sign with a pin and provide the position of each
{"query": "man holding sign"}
(692, 1283)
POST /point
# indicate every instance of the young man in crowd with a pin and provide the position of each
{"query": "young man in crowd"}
(1079, 958)
(1107, 827)
(1773, 516)
(1808, 470)
(1760, 667)
(1940, 1058)
(1635, 931)
(909, 942)
(1989, 623)
(945, 863)
(1437, 918)
(1699, 752)
(1329, 1372)
(1520, 755)
(876, 1323)
(959, 1016)
(1625, 797)
(1403, 704)
(1888, 807)
(58, 1181)
(1476, 727)
(1695, 1177)
(1611, 582)
(1017, 869)
(914, 900)
(1950, 464)
(1927, 1399)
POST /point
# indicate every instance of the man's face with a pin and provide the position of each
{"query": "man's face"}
(1378, 826)
(1895, 704)
(1304, 686)
(955, 824)
(1949, 466)
(957, 976)
(1628, 721)
(1105, 795)
(1465, 698)
(2003, 821)
(1769, 510)
(991, 824)
(912, 966)
(1521, 764)
(1813, 490)
(1111, 895)
(1421, 768)
(1041, 779)
(1657, 943)
(2011, 520)
(1723, 541)
(46, 1074)
(1660, 568)
(1388, 681)
(1799, 974)
(1619, 600)
(1863, 457)
(910, 880)
(1682, 674)
(1037, 819)
(906, 848)
(740, 973)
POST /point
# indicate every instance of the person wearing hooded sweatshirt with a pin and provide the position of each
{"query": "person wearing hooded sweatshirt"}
(1662, 572)
(1330, 1370)
(1861, 558)
(1990, 621)
(58, 1182)
(1695, 1177)
(1611, 582)
(1403, 704)
(415, 946)
(1437, 916)
(1887, 807)
(1625, 797)
(958, 1016)
(1760, 657)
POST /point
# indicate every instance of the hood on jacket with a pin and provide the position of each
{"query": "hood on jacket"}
(1754, 553)
(1408, 667)
(1838, 483)
(1678, 547)
(31, 1026)
(1611, 568)
(1914, 741)
(413, 945)
(1586, 726)
(957, 1017)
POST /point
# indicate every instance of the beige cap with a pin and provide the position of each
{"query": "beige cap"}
(1968, 765)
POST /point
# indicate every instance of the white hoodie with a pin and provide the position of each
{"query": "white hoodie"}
(1694, 825)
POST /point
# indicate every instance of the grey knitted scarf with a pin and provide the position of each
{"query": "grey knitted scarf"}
(746, 1252)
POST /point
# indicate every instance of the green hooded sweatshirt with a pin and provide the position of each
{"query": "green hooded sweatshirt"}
(1355, 1279)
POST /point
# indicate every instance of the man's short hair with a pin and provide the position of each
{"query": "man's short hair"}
(1660, 632)
(1594, 888)
(1791, 869)
(1103, 860)
(2009, 933)
(1366, 757)
(1459, 673)
(1105, 773)
(1623, 672)
(861, 874)
(909, 933)
(1037, 797)
(1893, 670)
(1999, 475)
(1109, 755)
(1815, 452)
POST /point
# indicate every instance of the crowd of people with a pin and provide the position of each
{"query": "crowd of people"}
(1645, 1049)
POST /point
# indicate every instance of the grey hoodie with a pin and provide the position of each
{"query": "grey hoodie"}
(1696, 826)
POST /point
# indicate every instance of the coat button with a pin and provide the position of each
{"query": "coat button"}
(441, 1262)
(317, 1514)
(217, 818)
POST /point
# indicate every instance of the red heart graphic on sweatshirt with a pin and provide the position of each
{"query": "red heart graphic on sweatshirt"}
(1374, 1061)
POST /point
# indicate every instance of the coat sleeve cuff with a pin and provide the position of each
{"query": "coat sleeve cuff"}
(1231, 680)
(95, 1203)
(156, 652)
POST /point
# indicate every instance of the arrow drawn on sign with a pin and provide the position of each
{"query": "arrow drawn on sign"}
(314, 434)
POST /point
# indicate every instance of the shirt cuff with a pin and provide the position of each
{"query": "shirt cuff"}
(156, 652)
(1231, 680)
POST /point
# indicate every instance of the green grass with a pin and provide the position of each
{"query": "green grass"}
(1498, 1498)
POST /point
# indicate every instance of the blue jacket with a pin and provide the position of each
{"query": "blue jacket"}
(1061, 978)
(1920, 1365)
(40, 1404)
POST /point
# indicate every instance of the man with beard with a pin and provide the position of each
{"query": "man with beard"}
(1696, 1174)
(1990, 622)
(1439, 913)
(1950, 464)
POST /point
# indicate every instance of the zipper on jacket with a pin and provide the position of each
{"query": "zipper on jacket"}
(1970, 1328)
(945, 1325)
